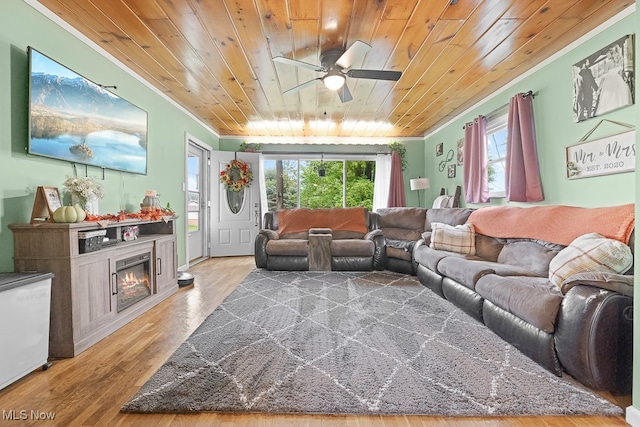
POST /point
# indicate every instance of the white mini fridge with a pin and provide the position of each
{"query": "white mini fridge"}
(25, 300)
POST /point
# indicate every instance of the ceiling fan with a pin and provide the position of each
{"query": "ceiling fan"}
(336, 64)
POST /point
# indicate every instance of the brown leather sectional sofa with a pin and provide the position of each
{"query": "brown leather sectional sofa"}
(581, 325)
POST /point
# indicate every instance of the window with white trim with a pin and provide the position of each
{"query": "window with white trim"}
(497, 152)
(316, 181)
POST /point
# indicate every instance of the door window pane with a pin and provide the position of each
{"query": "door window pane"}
(193, 193)
(193, 210)
(193, 173)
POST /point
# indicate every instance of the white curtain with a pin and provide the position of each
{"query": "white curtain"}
(381, 181)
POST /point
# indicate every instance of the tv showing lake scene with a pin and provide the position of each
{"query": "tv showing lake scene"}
(74, 119)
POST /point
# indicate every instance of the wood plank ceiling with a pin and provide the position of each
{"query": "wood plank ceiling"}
(214, 57)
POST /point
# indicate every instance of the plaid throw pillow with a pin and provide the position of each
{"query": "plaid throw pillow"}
(590, 252)
(459, 238)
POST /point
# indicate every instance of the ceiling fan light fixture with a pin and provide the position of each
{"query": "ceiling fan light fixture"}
(337, 64)
(333, 81)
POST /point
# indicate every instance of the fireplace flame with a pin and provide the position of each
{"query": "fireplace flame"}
(130, 282)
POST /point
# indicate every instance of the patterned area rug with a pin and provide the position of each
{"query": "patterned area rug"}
(353, 343)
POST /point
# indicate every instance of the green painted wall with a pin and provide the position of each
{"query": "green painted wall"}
(20, 174)
(555, 129)
(414, 155)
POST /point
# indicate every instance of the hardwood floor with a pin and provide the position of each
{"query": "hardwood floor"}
(88, 390)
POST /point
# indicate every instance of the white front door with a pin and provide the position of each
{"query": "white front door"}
(236, 215)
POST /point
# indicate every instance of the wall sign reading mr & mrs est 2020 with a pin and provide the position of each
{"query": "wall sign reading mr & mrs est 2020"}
(604, 156)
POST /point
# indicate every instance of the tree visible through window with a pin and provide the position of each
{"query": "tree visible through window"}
(281, 179)
(297, 183)
(321, 191)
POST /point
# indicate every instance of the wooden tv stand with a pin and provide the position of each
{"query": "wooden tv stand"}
(84, 291)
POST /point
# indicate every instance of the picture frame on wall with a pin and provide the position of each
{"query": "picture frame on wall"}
(439, 149)
(604, 81)
(603, 156)
(451, 171)
(460, 145)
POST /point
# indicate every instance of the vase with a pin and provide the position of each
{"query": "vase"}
(89, 205)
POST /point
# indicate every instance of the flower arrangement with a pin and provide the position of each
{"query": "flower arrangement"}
(236, 175)
(84, 189)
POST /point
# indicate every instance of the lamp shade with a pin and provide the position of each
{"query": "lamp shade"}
(419, 183)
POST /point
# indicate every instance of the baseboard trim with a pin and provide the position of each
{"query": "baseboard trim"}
(633, 416)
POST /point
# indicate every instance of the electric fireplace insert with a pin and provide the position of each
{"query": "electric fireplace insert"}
(133, 280)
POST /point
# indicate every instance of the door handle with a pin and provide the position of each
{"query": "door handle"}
(256, 217)
(114, 281)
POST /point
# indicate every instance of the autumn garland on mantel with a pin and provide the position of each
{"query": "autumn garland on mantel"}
(236, 175)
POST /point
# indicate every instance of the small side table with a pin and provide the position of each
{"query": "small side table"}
(320, 249)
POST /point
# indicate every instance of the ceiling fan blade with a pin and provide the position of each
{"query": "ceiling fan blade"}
(344, 93)
(375, 74)
(355, 53)
(300, 86)
(296, 63)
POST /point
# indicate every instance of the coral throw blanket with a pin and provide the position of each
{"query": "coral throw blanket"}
(344, 219)
(554, 224)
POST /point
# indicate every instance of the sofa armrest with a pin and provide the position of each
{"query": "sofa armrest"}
(270, 221)
(416, 245)
(621, 283)
(594, 338)
(262, 238)
(373, 233)
(269, 234)
(380, 252)
(426, 238)
(374, 221)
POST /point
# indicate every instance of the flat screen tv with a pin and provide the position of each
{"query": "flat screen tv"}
(73, 119)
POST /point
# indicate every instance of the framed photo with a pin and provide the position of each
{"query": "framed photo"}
(439, 149)
(460, 152)
(53, 198)
(603, 156)
(451, 171)
(46, 202)
(604, 81)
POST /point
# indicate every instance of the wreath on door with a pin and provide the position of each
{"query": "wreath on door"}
(236, 175)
